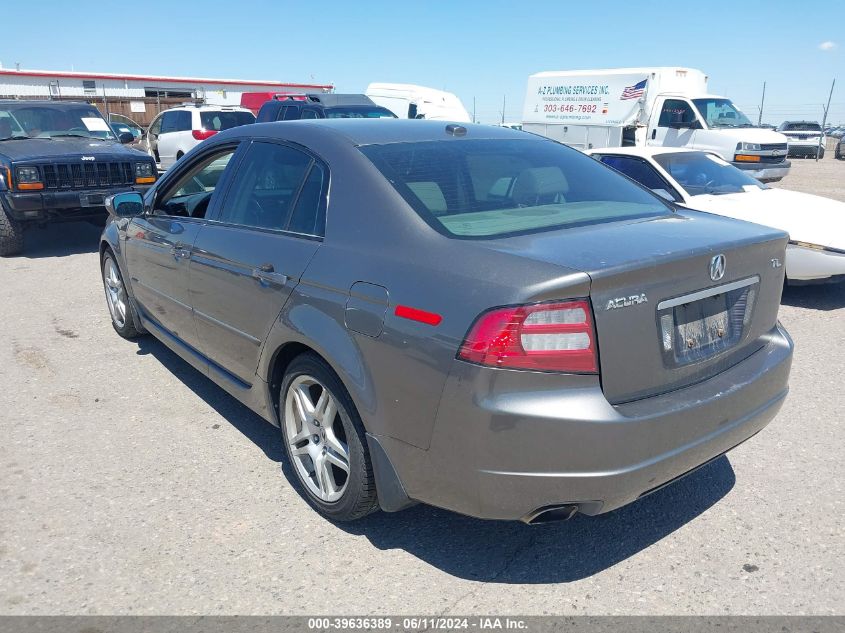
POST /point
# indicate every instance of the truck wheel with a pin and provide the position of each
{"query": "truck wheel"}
(324, 441)
(837, 153)
(11, 235)
(120, 308)
(821, 153)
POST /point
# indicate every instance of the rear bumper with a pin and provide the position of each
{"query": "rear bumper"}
(507, 443)
(765, 172)
(59, 205)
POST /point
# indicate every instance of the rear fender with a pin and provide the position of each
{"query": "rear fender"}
(313, 318)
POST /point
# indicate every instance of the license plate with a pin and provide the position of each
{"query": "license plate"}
(704, 328)
(92, 199)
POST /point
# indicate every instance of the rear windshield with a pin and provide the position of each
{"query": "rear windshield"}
(360, 112)
(223, 120)
(802, 127)
(492, 188)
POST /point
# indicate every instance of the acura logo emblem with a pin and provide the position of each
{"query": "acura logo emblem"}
(717, 267)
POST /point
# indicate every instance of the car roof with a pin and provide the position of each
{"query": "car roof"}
(41, 102)
(385, 130)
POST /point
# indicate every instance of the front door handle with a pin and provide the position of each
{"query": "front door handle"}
(266, 273)
(180, 252)
(653, 134)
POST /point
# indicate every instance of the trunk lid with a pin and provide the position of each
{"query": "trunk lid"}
(651, 286)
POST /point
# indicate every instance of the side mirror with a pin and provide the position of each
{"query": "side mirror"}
(125, 205)
(125, 137)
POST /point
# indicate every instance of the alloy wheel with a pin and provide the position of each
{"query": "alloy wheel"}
(314, 431)
(115, 292)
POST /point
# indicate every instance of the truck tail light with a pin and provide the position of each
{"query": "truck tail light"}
(555, 336)
(201, 135)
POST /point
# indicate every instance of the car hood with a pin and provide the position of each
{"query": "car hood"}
(807, 218)
(66, 147)
(752, 134)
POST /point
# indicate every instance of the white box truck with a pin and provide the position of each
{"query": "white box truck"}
(408, 101)
(668, 106)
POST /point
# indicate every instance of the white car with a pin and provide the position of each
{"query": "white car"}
(174, 132)
(704, 182)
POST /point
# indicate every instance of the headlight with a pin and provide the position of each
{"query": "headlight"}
(143, 170)
(748, 147)
(28, 179)
(28, 175)
(144, 173)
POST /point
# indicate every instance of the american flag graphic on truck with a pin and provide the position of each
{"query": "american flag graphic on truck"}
(634, 92)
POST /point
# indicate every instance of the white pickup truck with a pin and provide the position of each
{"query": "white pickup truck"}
(591, 109)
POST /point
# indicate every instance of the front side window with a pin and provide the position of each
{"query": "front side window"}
(491, 188)
(183, 121)
(675, 111)
(701, 173)
(191, 194)
(721, 113)
(37, 121)
(271, 181)
(639, 170)
(168, 122)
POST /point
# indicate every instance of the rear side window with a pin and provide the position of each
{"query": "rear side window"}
(268, 187)
(489, 187)
(224, 119)
(639, 170)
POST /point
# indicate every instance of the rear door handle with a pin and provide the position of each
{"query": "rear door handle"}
(267, 273)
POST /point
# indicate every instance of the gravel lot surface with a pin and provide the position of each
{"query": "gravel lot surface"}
(130, 484)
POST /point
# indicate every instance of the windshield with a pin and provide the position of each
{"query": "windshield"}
(49, 121)
(360, 112)
(721, 113)
(701, 173)
(492, 188)
(801, 127)
(224, 119)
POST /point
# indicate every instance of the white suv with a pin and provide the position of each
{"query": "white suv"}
(173, 133)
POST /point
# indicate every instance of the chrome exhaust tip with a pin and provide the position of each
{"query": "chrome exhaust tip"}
(551, 514)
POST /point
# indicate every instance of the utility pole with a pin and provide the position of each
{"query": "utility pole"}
(824, 119)
(762, 101)
(503, 109)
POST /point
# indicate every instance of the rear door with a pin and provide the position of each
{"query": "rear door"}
(158, 244)
(250, 257)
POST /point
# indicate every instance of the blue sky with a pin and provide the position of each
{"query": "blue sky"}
(476, 49)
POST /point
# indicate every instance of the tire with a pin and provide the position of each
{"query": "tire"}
(123, 320)
(821, 153)
(11, 235)
(315, 447)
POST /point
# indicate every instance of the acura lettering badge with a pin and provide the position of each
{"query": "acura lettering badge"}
(717, 267)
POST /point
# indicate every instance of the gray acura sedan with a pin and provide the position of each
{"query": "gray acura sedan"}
(470, 317)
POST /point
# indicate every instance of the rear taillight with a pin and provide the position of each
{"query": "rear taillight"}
(543, 337)
(201, 135)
